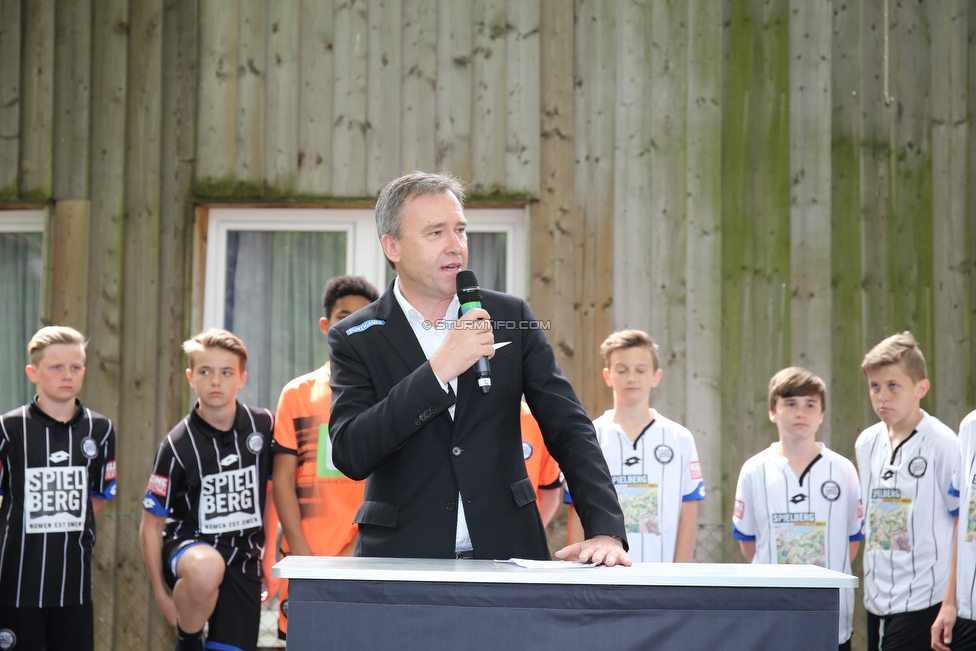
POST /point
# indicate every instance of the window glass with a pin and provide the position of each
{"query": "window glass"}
(21, 265)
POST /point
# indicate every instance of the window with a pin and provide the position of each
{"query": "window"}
(266, 268)
(21, 270)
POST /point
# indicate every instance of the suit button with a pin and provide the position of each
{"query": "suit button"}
(449, 506)
(456, 451)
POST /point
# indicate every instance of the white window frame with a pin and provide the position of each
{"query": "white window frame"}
(364, 256)
(24, 221)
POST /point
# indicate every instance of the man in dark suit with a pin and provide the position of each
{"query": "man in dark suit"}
(444, 465)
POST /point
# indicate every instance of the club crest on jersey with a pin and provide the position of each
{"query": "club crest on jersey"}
(255, 443)
(56, 499)
(89, 448)
(229, 501)
(8, 639)
(917, 466)
(59, 457)
(830, 490)
(663, 453)
(526, 450)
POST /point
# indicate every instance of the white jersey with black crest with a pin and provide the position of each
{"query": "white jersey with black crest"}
(805, 520)
(964, 487)
(211, 485)
(49, 471)
(909, 515)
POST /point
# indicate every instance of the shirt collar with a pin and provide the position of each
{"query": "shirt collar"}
(413, 314)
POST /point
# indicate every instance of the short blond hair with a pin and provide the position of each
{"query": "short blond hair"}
(897, 349)
(215, 338)
(51, 336)
(629, 339)
(796, 382)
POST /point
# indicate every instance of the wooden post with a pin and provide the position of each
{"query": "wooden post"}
(72, 98)
(10, 99)
(419, 75)
(810, 217)
(37, 99)
(704, 258)
(454, 87)
(383, 112)
(69, 263)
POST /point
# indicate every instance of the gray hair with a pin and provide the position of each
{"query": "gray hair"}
(389, 205)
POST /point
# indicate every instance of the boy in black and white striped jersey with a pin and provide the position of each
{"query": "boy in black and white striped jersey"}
(905, 464)
(57, 468)
(202, 529)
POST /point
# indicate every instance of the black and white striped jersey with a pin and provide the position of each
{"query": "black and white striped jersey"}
(211, 485)
(49, 471)
(909, 515)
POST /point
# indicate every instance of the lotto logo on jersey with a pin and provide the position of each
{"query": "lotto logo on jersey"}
(695, 467)
(110, 471)
(56, 499)
(229, 501)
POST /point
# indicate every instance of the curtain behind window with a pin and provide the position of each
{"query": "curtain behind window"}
(273, 301)
(20, 292)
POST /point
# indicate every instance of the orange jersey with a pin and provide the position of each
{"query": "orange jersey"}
(327, 498)
(542, 468)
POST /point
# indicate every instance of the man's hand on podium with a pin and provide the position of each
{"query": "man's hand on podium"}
(605, 550)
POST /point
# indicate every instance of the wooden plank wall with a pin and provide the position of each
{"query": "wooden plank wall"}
(755, 183)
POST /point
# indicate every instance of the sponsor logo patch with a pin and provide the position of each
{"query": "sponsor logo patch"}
(229, 501)
(740, 509)
(158, 485)
(695, 467)
(365, 325)
(110, 471)
(779, 518)
(56, 499)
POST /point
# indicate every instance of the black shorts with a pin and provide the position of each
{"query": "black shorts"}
(902, 632)
(64, 628)
(237, 616)
(964, 635)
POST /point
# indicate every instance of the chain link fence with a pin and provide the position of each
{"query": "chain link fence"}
(127, 617)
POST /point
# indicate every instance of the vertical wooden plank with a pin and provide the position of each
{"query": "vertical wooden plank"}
(349, 108)
(37, 99)
(72, 98)
(876, 185)
(593, 193)
(454, 91)
(704, 267)
(487, 111)
(251, 76)
(315, 98)
(668, 226)
(845, 393)
(136, 610)
(810, 137)
(281, 121)
(383, 113)
(69, 265)
(755, 215)
(552, 270)
(971, 186)
(522, 108)
(10, 40)
(418, 127)
(179, 49)
(910, 251)
(633, 197)
(217, 118)
(103, 297)
(952, 257)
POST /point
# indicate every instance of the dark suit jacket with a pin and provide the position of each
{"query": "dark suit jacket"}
(390, 425)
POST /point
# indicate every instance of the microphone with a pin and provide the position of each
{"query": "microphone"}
(469, 294)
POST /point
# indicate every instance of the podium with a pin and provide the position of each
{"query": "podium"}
(402, 604)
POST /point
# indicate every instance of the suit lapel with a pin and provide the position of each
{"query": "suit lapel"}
(399, 333)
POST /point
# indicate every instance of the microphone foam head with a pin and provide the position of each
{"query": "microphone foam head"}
(466, 281)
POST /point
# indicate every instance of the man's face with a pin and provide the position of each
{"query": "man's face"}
(59, 373)
(216, 377)
(342, 308)
(432, 247)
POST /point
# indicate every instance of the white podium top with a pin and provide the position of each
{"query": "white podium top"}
(483, 571)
